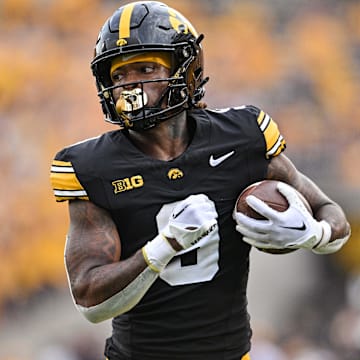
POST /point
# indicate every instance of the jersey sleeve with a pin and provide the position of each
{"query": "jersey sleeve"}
(65, 183)
(275, 143)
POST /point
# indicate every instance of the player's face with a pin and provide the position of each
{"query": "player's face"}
(127, 77)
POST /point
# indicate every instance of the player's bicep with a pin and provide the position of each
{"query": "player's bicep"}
(92, 241)
(282, 169)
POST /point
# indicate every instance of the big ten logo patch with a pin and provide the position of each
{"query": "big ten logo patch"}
(128, 183)
(174, 174)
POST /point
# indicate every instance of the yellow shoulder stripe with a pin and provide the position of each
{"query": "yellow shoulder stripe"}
(275, 143)
(61, 163)
(65, 184)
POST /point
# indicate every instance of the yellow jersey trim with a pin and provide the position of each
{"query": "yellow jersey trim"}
(275, 143)
(65, 184)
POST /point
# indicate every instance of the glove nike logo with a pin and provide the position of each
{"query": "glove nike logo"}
(300, 228)
(180, 212)
(215, 162)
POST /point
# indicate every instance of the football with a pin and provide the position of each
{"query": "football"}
(266, 191)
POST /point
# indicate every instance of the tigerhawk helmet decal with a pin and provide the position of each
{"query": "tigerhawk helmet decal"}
(150, 28)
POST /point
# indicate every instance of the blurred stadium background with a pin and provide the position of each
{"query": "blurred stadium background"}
(298, 60)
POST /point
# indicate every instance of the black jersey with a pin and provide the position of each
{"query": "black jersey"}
(197, 308)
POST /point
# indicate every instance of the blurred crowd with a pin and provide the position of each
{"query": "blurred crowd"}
(325, 324)
(298, 60)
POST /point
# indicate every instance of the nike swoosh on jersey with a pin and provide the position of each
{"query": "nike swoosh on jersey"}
(301, 228)
(215, 162)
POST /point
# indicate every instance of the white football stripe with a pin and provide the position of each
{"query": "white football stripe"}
(70, 193)
(62, 169)
(275, 147)
(265, 122)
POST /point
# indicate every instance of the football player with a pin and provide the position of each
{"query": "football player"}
(152, 242)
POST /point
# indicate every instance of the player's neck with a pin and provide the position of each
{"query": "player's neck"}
(166, 141)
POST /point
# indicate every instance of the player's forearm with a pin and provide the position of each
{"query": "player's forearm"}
(93, 253)
(122, 301)
(94, 284)
(336, 218)
(325, 208)
(281, 168)
(110, 290)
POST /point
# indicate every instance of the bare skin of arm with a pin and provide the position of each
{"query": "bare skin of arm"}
(92, 255)
(282, 169)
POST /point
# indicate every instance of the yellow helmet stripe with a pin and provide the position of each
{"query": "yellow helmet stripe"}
(124, 22)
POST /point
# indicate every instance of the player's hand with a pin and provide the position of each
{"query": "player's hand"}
(293, 228)
(191, 220)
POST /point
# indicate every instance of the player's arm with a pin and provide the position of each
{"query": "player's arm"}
(324, 232)
(99, 281)
(103, 285)
(282, 169)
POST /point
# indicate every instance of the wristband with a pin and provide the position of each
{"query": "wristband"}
(158, 252)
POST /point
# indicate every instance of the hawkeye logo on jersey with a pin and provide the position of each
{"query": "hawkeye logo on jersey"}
(128, 183)
(174, 174)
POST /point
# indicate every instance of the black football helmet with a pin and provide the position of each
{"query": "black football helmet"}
(150, 26)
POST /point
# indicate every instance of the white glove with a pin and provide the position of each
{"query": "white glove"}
(191, 220)
(293, 228)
